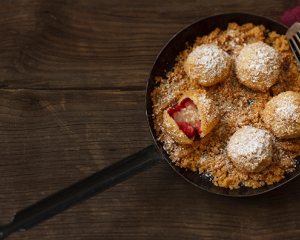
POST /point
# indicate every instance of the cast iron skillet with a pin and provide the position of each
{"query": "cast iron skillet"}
(152, 154)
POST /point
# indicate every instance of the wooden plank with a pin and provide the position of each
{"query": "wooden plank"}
(51, 139)
(72, 79)
(95, 44)
(55, 138)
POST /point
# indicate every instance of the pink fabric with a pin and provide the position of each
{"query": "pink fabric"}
(291, 16)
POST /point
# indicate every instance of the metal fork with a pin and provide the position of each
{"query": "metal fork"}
(293, 36)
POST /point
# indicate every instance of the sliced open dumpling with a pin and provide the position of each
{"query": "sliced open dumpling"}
(194, 116)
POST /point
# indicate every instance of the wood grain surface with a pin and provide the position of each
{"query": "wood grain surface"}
(72, 79)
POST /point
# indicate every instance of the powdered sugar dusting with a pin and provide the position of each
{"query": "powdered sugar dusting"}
(282, 115)
(258, 66)
(249, 148)
(210, 59)
(206, 63)
(251, 143)
(286, 109)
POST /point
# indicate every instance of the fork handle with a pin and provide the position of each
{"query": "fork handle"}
(82, 190)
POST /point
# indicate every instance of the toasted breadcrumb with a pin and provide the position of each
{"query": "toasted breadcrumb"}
(238, 105)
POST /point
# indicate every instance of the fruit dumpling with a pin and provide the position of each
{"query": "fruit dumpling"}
(194, 116)
(258, 66)
(282, 115)
(250, 149)
(207, 65)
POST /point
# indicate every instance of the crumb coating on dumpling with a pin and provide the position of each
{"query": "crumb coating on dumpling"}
(258, 66)
(207, 65)
(282, 115)
(250, 149)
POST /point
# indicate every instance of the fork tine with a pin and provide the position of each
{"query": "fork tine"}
(295, 49)
(292, 30)
(297, 37)
(295, 44)
(292, 36)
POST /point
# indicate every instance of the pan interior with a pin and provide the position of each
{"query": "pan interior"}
(164, 63)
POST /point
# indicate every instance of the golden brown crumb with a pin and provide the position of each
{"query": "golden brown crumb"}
(238, 106)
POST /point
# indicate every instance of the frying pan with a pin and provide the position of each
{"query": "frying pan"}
(154, 153)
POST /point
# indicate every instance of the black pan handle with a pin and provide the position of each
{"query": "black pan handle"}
(82, 190)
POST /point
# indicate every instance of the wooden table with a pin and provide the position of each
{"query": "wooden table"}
(72, 78)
